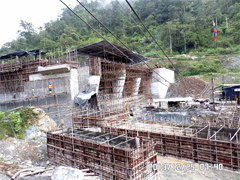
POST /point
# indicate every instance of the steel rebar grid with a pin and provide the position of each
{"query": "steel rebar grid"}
(115, 157)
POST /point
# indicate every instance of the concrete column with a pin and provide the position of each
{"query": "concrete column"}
(73, 83)
(158, 90)
(119, 85)
(94, 82)
(136, 86)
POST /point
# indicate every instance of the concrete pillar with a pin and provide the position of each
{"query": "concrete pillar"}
(94, 82)
(136, 86)
(158, 90)
(119, 85)
(73, 83)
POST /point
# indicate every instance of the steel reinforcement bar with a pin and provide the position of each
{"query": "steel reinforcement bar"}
(192, 148)
(109, 156)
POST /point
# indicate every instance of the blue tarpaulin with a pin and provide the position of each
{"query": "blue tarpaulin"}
(230, 93)
(83, 97)
(22, 53)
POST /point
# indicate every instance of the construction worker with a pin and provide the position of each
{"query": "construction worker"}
(50, 88)
(14, 94)
(62, 124)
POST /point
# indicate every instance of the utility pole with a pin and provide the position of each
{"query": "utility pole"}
(213, 98)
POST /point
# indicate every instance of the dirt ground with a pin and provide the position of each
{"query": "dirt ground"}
(187, 170)
(189, 86)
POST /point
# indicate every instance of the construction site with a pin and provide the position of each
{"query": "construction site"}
(116, 116)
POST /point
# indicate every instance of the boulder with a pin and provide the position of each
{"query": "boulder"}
(46, 124)
(193, 119)
(42, 125)
(67, 173)
(38, 111)
(4, 177)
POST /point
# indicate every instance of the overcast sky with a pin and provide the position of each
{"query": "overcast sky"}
(37, 12)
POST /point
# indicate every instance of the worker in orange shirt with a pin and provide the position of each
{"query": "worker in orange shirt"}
(14, 94)
(50, 88)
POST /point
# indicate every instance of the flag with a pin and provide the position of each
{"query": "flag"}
(214, 32)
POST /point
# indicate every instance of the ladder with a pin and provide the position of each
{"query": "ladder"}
(236, 116)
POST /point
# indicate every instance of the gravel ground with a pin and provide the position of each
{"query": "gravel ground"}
(186, 170)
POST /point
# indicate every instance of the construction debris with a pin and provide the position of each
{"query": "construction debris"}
(63, 173)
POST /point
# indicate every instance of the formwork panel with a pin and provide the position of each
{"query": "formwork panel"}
(192, 148)
(118, 157)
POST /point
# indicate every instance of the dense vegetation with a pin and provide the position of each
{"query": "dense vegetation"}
(180, 26)
(14, 123)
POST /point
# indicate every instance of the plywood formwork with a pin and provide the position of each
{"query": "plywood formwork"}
(193, 148)
(200, 144)
(109, 156)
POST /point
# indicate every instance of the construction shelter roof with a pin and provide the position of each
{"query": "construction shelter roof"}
(21, 54)
(104, 50)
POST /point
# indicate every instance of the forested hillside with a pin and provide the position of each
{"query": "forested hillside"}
(180, 26)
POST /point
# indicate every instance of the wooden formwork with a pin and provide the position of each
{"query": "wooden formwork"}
(109, 159)
(193, 148)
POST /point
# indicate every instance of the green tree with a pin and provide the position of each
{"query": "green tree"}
(15, 120)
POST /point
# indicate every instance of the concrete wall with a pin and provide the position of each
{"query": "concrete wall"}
(40, 87)
(136, 87)
(119, 84)
(74, 88)
(175, 117)
(65, 87)
(94, 82)
(83, 77)
(158, 90)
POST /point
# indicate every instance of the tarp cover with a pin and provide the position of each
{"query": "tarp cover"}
(22, 53)
(83, 97)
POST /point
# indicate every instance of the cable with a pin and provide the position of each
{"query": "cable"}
(119, 40)
(100, 35)
(158, 44)
(139, 27)
(133, 20)
(151, 35)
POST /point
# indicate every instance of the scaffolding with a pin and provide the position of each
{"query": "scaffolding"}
(14, 72)
(121, 83)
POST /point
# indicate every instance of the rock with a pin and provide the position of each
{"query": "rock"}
(26, 164)
(38, 111)
(40, 128)
(67, 173)
(193, 119)
(4, 177)
(35, 178)
(46, 124)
